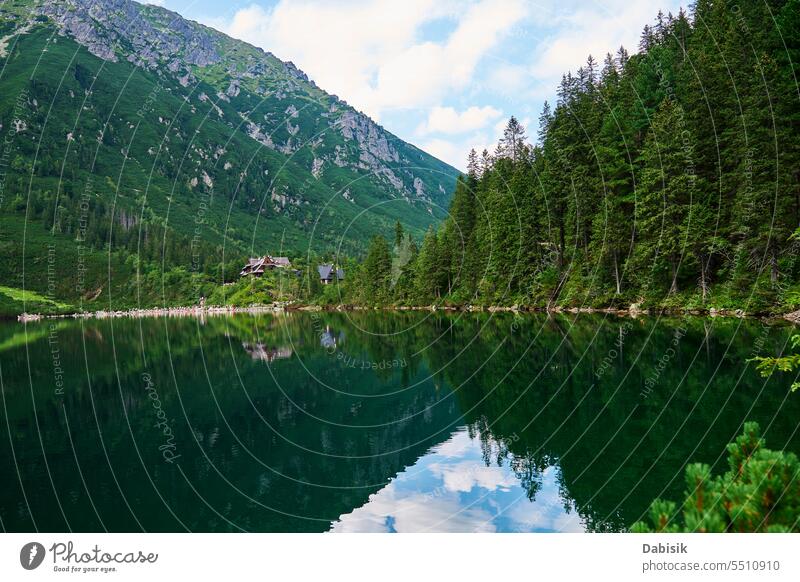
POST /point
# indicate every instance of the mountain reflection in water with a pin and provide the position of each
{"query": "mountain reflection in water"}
(372, 421)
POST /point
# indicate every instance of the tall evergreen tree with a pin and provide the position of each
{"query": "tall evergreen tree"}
(660, 176)
(429, 269)
(376, 271)
(667, 189)
(512, 144)
(398, 234)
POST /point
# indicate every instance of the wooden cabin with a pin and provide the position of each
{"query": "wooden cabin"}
(257, 265)
(329, 274)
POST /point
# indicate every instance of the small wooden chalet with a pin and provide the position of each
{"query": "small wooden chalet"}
(329, 274)
(257, 265)
(281, 262)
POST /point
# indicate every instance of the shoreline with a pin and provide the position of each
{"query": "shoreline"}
(194, 311)
(280, 307)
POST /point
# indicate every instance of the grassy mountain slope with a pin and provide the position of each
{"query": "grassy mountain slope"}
(132, 133)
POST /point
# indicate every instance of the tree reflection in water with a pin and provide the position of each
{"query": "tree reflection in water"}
(407, 420)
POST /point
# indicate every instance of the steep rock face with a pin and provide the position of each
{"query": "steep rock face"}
(103, 26)
(372, 142)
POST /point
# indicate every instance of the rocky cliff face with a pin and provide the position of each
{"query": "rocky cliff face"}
(275, 103)
(156, 36)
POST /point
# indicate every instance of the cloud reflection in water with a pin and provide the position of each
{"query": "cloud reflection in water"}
(451, 489)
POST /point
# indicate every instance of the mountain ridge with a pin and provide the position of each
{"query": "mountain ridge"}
(197, 43)
(170, 145)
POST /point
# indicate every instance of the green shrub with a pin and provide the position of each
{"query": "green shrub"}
(760, 492)
(790, 363)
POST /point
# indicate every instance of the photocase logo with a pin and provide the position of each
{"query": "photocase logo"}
(31, 555)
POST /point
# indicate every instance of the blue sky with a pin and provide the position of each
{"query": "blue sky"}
(444, 75)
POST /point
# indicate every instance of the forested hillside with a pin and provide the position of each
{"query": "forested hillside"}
(163, 153)
(665, 178)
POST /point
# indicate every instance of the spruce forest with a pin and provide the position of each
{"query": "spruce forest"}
(669, 178)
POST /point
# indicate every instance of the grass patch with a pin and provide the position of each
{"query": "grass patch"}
(27, 296)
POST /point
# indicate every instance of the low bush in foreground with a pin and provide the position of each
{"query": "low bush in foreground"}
(760, 492)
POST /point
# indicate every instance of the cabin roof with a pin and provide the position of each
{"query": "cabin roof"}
(327, 272)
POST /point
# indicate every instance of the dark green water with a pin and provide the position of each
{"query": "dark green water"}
(372, 422)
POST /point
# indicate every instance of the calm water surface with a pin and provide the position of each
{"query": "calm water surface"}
(379, 422)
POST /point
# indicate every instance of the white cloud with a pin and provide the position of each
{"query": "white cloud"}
(451, 489)
(546, 514)
(500, 126)
(465, 475)
(414, 512)
(426, 496)
(454, 151)
(584, 29)
(447, 150)
(455, 446)
(370, 53)
(508, 78)
(449, 121)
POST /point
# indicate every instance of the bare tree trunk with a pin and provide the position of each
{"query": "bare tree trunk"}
(557, 291)
(703, 280)
(673, 288)
(616, 272)
(773, 274)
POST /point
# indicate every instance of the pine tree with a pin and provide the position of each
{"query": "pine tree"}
(402, 269)
(512, 144)
(428, 271)
(486, 161)
(667, 188)
(760, 492)
(660, 176)
(473, 165)
(458, 230)
(398, 234)
(376, 271)
(647, 39)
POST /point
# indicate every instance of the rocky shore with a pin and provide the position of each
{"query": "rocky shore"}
(794, 317)
(203, 311)
(633, 310)
(194, 311)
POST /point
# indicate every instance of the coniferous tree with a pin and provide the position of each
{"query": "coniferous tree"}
(667, 189)
(376, 271)
(473, 165)
(760, 492)
(512, 144)
(428, 272)
(668, 176)
(398, 234)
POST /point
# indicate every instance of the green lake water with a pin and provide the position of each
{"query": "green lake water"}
(380, 422)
